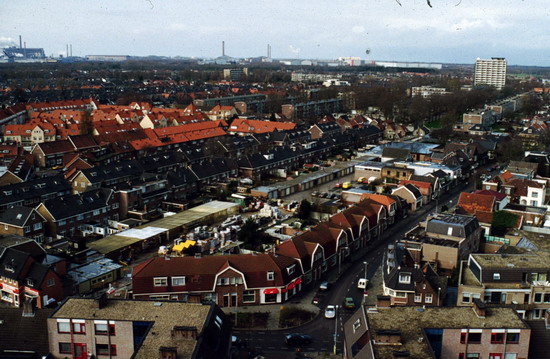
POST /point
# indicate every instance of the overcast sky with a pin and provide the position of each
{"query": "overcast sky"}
(456, 31)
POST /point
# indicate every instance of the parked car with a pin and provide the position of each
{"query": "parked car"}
(297, 339)
(349, 303)
(347, 185)
(324, 285)
(330, 312)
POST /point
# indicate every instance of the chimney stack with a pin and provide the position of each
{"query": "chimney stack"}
(100, 301)
(480, 308)
(20, 42)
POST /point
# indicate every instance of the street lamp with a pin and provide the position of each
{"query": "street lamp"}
(335, 327)
(439, 296)
(365, 263)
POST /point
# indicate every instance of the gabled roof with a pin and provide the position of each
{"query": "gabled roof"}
(69, 206)
(24, 333)
(55, 147)
(497, 195)
(471, 203)
(16, 215)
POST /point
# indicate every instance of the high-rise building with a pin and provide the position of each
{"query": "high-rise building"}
(490, 72)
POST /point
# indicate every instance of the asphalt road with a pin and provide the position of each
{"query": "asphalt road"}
(322, 329)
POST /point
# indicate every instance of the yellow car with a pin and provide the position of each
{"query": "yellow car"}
(360, 179)
(346, 185)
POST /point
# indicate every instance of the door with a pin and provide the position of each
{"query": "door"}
(80, 351)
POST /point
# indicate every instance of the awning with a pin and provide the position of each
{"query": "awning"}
(291, 285)
(271, 291)
(298, 281)
(183, 245)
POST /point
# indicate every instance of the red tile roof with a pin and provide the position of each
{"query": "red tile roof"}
(471, 203)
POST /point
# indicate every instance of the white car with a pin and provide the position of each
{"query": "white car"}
(330, 312)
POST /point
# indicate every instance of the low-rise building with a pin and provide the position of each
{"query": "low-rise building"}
(82, 328)
(436, 332)
(520, 281)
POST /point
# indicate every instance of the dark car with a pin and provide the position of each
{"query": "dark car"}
(297, 339)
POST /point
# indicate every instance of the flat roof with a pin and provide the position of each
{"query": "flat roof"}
(185, 218)
(411, 321)
(163, 317)
(92, 270)
(526, 260)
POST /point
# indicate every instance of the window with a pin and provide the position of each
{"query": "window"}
(160, 281)
(176, 281)
(79, 328)
(291, 269)
(512, 338)
(474, 338)
(103, 349)
(472, 355)
(463, 337)
(357, 324)
(418, 297)
(104, 329)
(538, 297)
(510, 356)
(428, 298)
(63, 327)
(65, 348)
(497, 338)
(249, 296)
(546, 298)
(210, 297)
(37, 226)
(400, 295)
(50, 282)
(537, 313)
(96, 212)
(450, 231)
(496, 276)
(534, 194)
(405, 277)
(27, 229)
(270, 275)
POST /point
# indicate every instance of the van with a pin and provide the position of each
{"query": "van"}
(362, 283)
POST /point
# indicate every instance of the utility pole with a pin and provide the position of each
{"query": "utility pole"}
(335, 329)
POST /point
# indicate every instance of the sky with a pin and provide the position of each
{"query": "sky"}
(455, 31)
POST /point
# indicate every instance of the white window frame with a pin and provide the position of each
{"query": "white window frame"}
(248, 293)
(177, 279)
(405, 277)
(428, 298)
(158, 281)
(418, 297)
(496, 276)
(270, 275)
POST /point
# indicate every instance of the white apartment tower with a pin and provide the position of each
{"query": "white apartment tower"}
(490, 72)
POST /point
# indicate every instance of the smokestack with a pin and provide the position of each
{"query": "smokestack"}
(67, 51)
(223, 48)
(267, 50)
(20, 42)
(71, 50)
(25, 49)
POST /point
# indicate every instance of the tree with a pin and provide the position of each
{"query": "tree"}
(502, 221)
(252, 236)
(304, 210)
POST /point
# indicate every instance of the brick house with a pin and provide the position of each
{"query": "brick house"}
(436, 332)
(26, 277)
(22, 221)
(411, 194)
(65, 216)
(82, 328)
(408, 282)
(229, 281)
(517, 280)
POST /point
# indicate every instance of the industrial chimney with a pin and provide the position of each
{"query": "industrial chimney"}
(20, 42)
(223, 48)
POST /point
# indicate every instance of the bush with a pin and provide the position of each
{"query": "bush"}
(292, 317)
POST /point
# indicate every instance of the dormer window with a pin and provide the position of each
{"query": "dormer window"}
(405, 277)
(9, 268)
(30, 282)
(291, 269)
(270, 275)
